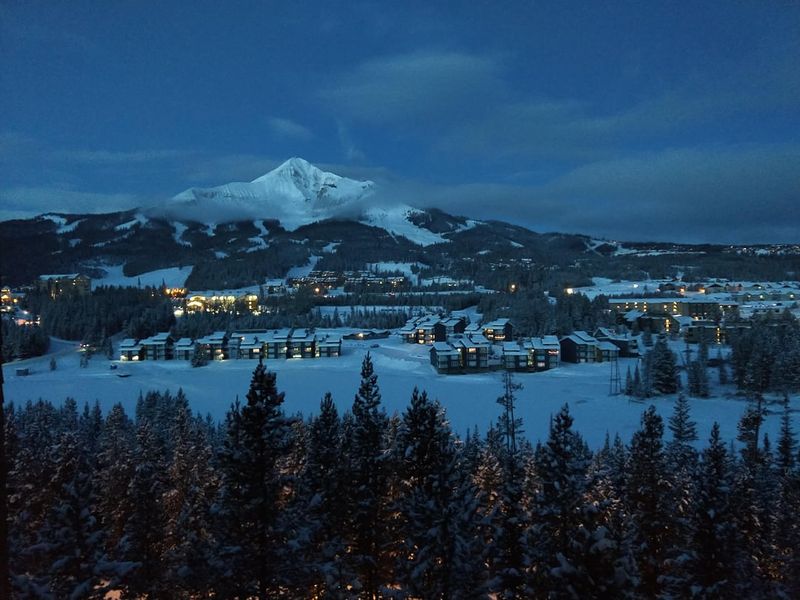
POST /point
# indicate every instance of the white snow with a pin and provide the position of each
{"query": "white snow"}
(259, 223)
(469, 399)
(303, 270)
(394, 219)
(177, 235)
(74, 242)
(406, 268)
(296, 193)
(221, 254)
(331, 248)
(172, 277)
(138, 219)
(257, 244)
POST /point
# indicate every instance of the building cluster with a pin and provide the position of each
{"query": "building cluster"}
(66, 283)
(322, 282)
(220, 345)
(457, 346)
(717, 311)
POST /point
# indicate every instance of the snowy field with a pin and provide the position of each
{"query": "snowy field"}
(172, 277)
(468, 399)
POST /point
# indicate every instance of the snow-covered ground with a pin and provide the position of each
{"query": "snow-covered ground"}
(609, 287)
(172, 277)
(469, 399)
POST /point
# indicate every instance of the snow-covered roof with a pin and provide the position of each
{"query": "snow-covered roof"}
(497, 323)
(157, 339)
(604, 345)
(330, 341)
(444, 348)
(184, 343)
(59, 276)
(580, 340)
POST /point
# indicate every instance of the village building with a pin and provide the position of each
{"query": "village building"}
(276, 343)
(543, 353)
(424, 330)
(628, 345)
(474, 350)
(130, 350)
(66, 283)
(445, 358)
(579, 347)
(606, 351)
(158, 346)
(184, 349)
(301, 344)
(329, 346)
(215, 345)
(499, 330)
(250, 344)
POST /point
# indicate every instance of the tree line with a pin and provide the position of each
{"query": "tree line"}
(167, 504)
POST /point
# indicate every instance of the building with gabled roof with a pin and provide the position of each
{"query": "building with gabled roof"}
(129, 349)
(184, 349)
(158, 346)
(578, 347)
(499, 330)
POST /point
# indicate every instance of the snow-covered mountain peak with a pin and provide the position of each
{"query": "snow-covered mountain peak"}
(296, 193)
(300, 179)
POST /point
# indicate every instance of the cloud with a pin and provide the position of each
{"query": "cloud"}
(351, 152)
(113, 158)
(286, 128)
(736, 193)
(26, 202)
(420, 88)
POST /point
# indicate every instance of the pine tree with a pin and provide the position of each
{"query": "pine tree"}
(320, 533)
(712, 550)
(368, 480)
(648, 494)
(142, 543)
(192, 485)
(722, 369)
(629, 386)
(253, 492)
(559, 533)
(509, 562)
(437, 508)
(71, 538)
(787, 529)
(114, 471)
(664, 369)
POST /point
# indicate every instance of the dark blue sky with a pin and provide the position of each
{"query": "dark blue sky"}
(630, 120)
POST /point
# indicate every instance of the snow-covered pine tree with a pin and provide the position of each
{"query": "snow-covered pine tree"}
(509, 559)
(437, 508)
(33, 435)
(319, 534)
(787, 529)
(629, 389)
(664, 368)
(142, 542)
(368, 472)
(192, 485)
(648, 499)
(712, 551)
(71, 537)
(558, 532)
(252, 492)
(115, 467)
